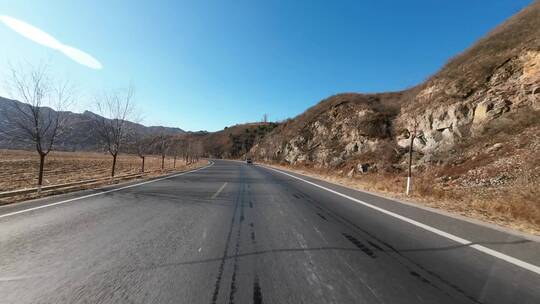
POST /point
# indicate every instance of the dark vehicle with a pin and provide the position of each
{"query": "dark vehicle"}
(249, 160)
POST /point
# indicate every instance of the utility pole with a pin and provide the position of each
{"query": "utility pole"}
(409, 175)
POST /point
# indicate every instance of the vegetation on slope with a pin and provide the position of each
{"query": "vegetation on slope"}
(235, 141)
(477, 121)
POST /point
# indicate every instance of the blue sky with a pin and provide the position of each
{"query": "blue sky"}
(203, 65)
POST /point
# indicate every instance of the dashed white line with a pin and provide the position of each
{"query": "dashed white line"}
(219, 190)
(18, 278)
(439, 232)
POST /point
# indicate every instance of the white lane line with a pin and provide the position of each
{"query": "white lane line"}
(219, 190)
(447, 235)
(18, 278)
(100, 193)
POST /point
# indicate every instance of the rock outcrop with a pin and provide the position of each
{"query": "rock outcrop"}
(342, 127)
(477, 91)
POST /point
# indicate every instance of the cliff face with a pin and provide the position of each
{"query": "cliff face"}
(480, 90)
(339, 128)
(445, 119)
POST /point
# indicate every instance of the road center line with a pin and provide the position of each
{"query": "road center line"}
(104, 192)
(219, 190)
(439, 232)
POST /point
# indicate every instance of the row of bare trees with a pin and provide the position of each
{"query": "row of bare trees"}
(40, 118)
(184, 147)
(113, 128)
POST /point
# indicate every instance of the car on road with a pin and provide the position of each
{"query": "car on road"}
(249, 160)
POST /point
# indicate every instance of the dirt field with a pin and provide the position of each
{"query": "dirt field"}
(19, 169)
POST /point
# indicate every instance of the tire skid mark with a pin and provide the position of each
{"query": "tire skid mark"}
(257, 292)
(420, 277)
(224, 258)
(233, 282)
(403, 260)
(365, 249)
(375, 246)
(219, 277)
(252, 232)
(322, 216)
(393, 250)
(234, 287)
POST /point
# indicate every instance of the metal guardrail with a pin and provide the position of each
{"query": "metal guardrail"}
(72, 184)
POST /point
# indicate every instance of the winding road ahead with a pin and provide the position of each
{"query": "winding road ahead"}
(238, 233)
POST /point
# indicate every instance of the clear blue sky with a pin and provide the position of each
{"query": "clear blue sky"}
(208, 64)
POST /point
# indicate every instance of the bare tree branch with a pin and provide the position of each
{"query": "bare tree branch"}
(36, 113)
(114, 109)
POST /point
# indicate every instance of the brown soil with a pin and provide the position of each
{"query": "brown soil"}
(19, 169)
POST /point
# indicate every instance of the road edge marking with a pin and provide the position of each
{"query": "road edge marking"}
(211, 163)
(455, 238)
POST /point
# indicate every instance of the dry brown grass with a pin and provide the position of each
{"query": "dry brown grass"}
(472, 68)
(516, 206)
(18, 169)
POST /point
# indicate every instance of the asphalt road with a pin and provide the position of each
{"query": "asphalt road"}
(237, 233)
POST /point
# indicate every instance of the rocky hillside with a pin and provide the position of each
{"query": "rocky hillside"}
(79, 136)
(491, 88)
(477, 121)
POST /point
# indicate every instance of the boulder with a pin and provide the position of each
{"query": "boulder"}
(363, 168)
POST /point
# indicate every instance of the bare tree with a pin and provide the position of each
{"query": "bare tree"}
(161, 146)
(189, 150)
(114, 110)
(142, 146)
(182, 147)
(38, 118)
(198, 150)
(265, 118)
(189, 147)
(176, 149)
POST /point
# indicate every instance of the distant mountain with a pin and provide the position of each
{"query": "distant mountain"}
(80, 134)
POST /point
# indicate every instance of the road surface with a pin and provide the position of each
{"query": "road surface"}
(238, 233)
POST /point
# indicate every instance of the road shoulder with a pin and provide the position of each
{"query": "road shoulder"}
(513, 243)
